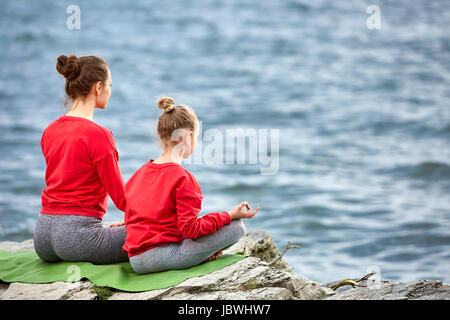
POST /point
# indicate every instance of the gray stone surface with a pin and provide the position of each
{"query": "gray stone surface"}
(12, 246)
(387, 290)
(49, 291)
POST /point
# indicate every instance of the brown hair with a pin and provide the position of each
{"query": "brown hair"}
(174, 117)
(81, 74)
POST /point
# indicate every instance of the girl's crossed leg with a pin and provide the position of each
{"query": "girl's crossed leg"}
(189, 252)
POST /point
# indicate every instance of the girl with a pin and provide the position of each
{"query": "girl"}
(163, 201)
(82, 169)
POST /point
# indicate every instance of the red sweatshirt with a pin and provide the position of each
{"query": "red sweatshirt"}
(163, 203)
(82, 168)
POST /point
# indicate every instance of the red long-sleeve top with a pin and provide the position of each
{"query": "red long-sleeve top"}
(82, 168)
(163, 203)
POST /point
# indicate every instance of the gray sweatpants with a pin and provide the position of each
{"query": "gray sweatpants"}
(189, 252)
(78, 238)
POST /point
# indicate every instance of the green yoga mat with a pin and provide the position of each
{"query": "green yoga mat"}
(26, 266)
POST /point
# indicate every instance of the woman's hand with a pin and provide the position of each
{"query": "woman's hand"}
(239, 212)
(117, 224)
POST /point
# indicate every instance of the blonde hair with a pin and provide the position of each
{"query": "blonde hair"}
(174, 117)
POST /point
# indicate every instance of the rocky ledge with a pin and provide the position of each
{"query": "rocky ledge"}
(254, 278)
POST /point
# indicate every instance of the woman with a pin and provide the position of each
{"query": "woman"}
(163, 202)
(82, 169)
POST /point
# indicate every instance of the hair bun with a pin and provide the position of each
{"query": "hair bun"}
(167, 104)
(68, 66)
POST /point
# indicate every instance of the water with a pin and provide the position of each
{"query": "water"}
(364, 166)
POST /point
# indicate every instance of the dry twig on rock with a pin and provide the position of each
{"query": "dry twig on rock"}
(288, 246)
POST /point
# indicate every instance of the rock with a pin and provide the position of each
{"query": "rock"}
(12, 246)
(256, 294)
(387, 290)
(49, 291)
(3, 288)
(260, 244)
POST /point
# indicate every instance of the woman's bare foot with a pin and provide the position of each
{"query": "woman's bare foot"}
(214, 256)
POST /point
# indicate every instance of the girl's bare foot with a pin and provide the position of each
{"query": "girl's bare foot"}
(214, 256)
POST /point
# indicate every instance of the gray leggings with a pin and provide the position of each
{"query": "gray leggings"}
(187, 253)
(78, 238)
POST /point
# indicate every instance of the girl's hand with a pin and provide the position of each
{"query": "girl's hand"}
(239, 212)
(117, 224)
